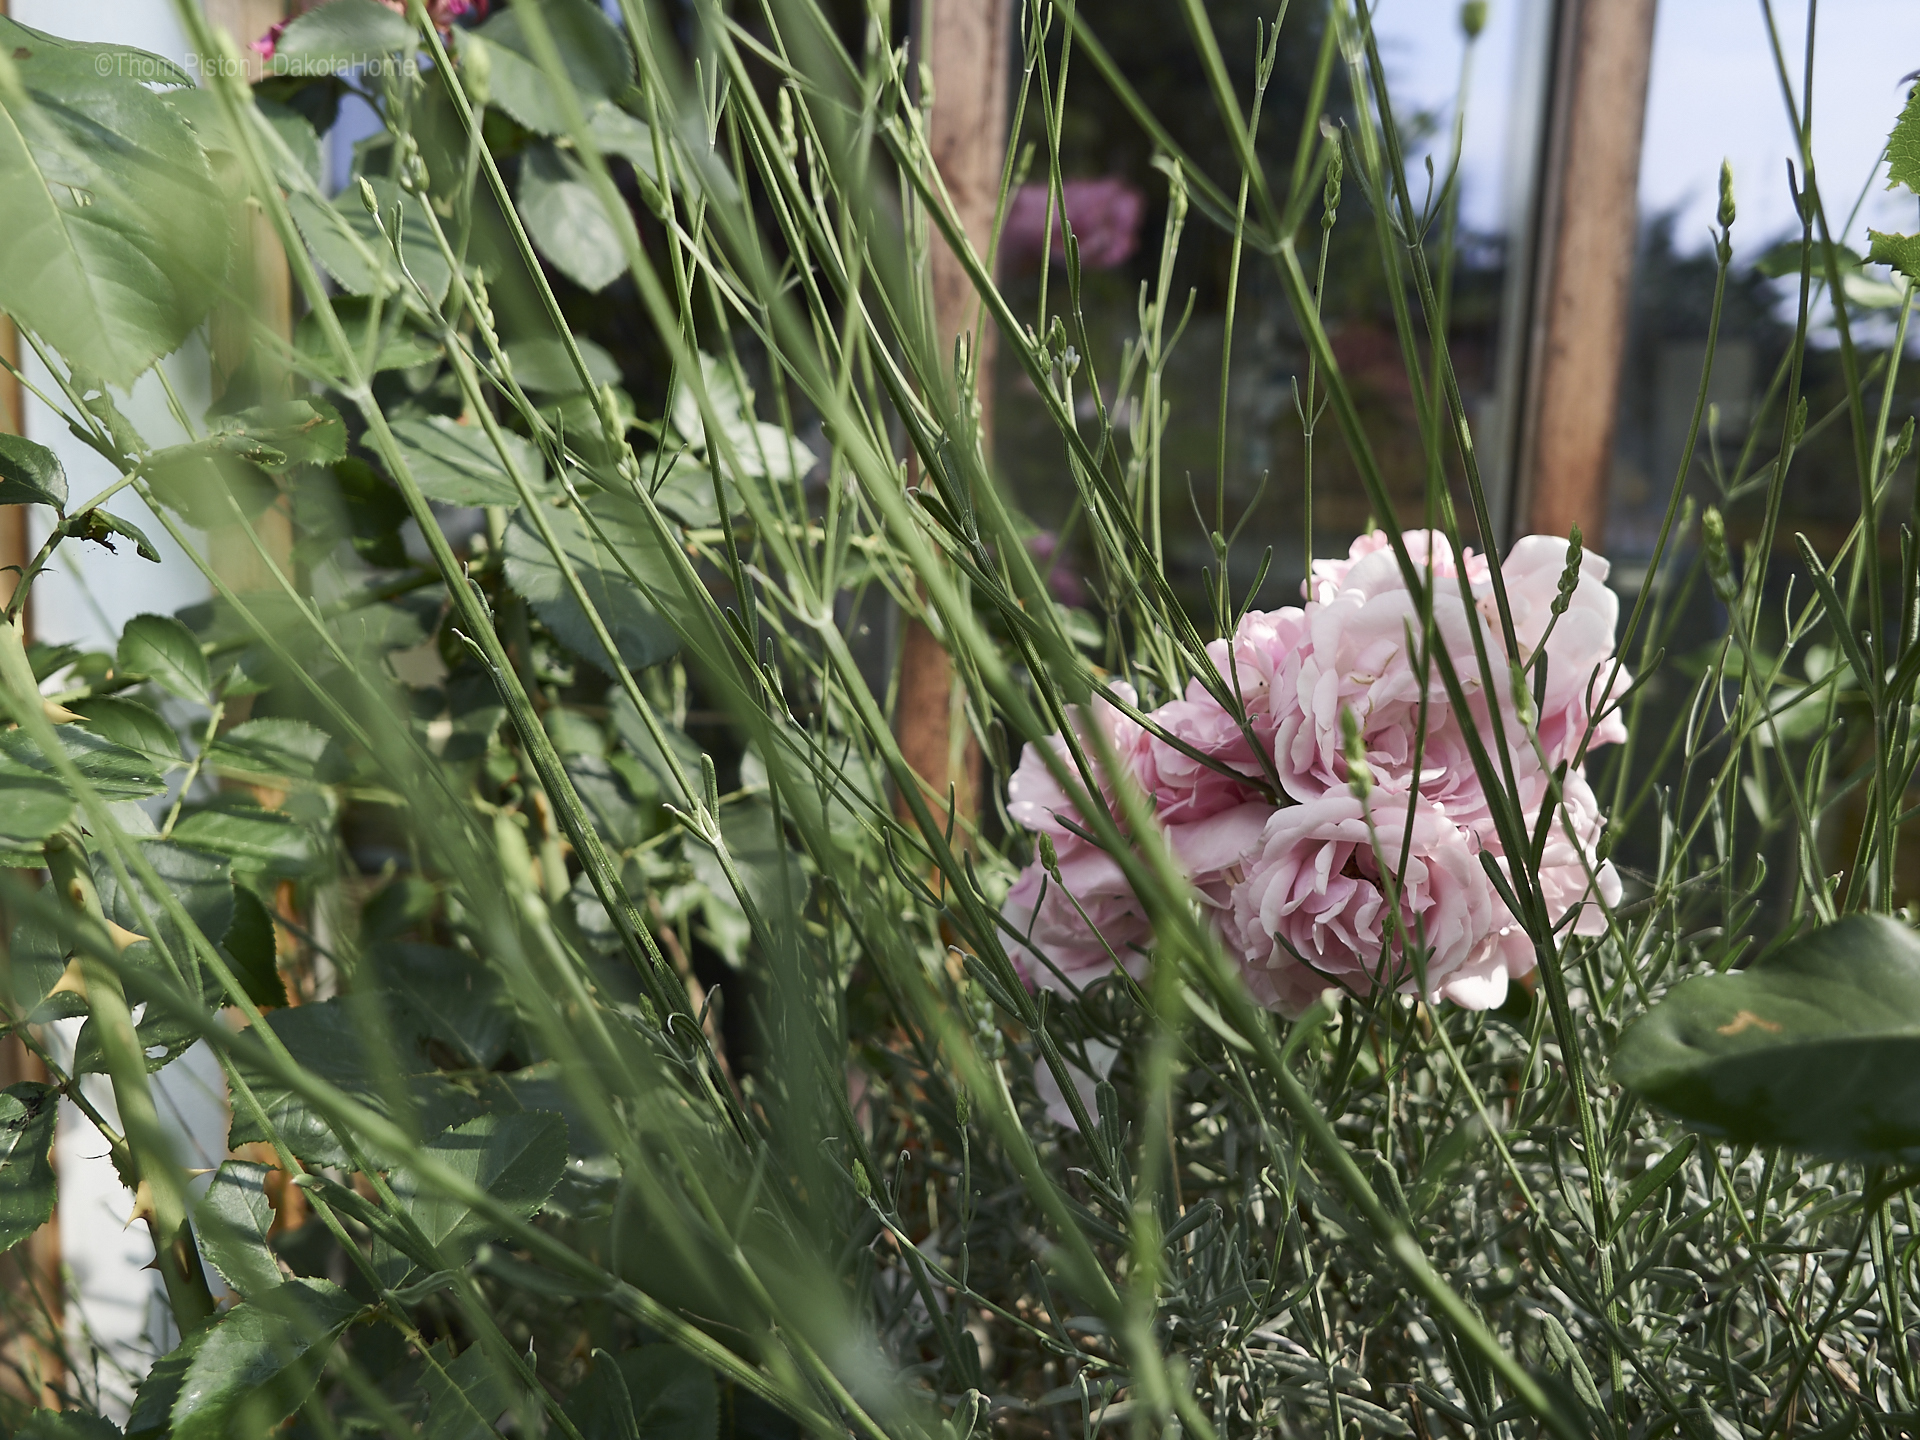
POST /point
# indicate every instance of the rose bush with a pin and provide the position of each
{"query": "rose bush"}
(1327, 881)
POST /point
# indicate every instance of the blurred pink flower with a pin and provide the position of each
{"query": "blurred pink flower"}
(1209, 819)
(269, 42)
(1105, 214)
(1579, 649)
(1570, 874)
(1425, 547)
(1078, 927)
(1063, 584)
(1184, 789)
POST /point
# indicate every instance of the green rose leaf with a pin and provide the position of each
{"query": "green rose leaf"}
(568, 223)
(1784, 259)
(686, 493)
(1903, 145)
(100, 527)
(644, 638)
(1902, 252)
(517, 1158)
(400, 346)
(542, 366)
(592, 51)
(326, 1043)
(300, 164)
(446, 1002)
(259, 1362)
(28, 1113)
(457, 464)
(300, 432)
(203, 482)
(161, 649)
(129, 723)
(655, 1391)
(276, 750)
(32, 805)
(254, 838)
(757, 449)
(465, 1396)
(117, 236)
(356, 252)
(66, 1425)
(618, 133)
(250, 945)
(115, 772)
(1815, 1047)
(153, 1400)
(232, 1220)
(338, 35)
(30, 474)
(200, 883)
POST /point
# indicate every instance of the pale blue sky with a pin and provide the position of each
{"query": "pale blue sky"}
(1714, 94)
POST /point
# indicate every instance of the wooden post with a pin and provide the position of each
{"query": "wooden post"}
(1583, 251)
(30, 1274)
(963, 45)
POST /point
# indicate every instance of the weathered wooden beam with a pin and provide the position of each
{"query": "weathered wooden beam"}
(1583, 244)
(30, 1273)
(963, 45)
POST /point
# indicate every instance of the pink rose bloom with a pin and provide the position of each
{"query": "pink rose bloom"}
(1357, 658)
(1570, 875)
(1183, 788)
(442, 12)
(269, 42)
(1262, 644)
(1037, 801)
(1580, 649)
(1311, 911)
(1426, 548)
(1080, 942)
(1213, 852)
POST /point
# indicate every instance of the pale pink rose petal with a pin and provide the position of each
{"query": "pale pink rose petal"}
(1037, 801)
(1078, 925)
(1580, 647)
(1183, 788)
(1313, 909)
(1571, 873)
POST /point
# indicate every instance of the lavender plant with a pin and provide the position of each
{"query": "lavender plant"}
(669, 1057)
